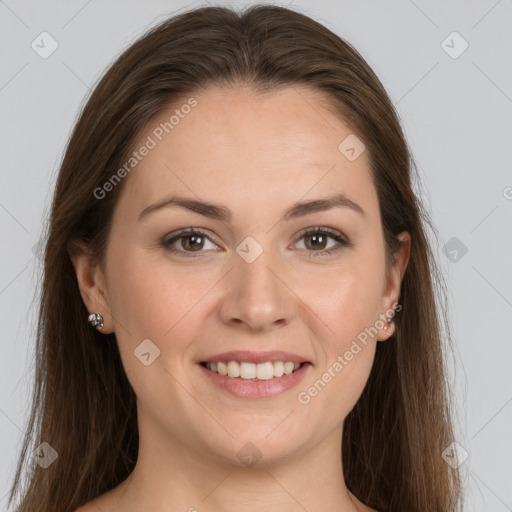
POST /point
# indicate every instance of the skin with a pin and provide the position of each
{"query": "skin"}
(257, 155)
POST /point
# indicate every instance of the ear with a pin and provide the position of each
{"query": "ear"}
(91, 283)
(393, 283)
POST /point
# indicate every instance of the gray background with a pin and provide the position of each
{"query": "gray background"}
(457, 116)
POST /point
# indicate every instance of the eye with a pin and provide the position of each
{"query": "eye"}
(190, 239)
(318, 241)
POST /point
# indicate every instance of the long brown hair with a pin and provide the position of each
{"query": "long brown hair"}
(83, 405)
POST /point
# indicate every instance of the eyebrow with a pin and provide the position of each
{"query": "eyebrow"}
(224, 214)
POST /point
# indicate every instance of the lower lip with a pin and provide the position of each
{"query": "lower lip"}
(246, 388)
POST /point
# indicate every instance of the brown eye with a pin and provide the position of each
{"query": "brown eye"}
(192, 242)
(187, 240)
(317, 240)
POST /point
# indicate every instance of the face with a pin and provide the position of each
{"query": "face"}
(258, 274)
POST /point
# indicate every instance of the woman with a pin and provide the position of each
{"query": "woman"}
(238, 307)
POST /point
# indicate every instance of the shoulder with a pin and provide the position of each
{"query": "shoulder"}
(366, 508)
(106, 502)
(99, 504)
(88, 507)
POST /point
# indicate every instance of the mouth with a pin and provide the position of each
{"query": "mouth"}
(246, 370)
(251, 375)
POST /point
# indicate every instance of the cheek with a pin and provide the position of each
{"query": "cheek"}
(342, 373)
(151, 297)
(154, 300)
(347, 381)
(346, 300)
(139, 300)
(149, 302)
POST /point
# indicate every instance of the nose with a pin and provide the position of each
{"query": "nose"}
(257, 296)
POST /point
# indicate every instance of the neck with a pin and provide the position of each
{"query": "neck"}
(171, 476)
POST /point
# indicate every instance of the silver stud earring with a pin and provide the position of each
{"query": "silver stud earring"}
(96, 320)
(390, 323)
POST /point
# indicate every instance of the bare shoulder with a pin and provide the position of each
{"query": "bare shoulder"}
(109, 501)
(101, 503)
(361, 507)
(88, 507)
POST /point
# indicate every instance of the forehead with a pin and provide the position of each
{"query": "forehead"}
(250, 150)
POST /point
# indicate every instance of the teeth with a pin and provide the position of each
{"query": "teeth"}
(278, 369)
(288, 368)
(222, 368)
(260, 371)
(247, 370)
(234, 369)
(264, 371)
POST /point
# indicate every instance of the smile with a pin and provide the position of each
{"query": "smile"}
(254, 380)
(247, 370)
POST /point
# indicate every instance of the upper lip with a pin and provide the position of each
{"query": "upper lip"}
(255, 357)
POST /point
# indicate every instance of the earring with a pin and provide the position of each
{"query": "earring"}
(96, 320)
(390, 324)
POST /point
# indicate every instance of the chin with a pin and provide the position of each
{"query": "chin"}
(263, 446)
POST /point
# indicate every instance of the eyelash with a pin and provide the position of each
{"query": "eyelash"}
(343, 242)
